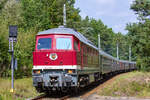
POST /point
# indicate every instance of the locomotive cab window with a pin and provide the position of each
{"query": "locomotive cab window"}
(44, 43)
(64, 43)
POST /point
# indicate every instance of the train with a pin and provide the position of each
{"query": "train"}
(64, 60)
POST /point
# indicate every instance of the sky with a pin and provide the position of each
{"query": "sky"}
(113, 13)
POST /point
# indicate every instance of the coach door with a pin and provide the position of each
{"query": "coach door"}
(101, 65)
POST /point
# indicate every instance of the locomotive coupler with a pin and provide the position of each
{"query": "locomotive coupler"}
(53, 80)
(60, 80)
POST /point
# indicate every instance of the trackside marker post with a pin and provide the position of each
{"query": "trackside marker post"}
(13, 30)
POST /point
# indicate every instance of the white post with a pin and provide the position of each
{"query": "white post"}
(99, 47)
(64, 15)
(99, 42)
(117, 50)
(129, 52)
(12, 65)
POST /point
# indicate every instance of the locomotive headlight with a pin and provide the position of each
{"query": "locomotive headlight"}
(37, 71)
(53, 56)
(70, 71)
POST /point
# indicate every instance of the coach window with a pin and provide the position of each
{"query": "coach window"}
(76, 47)
(44, 43)
(64, 43)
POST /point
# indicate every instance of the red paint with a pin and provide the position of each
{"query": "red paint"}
(65, 57)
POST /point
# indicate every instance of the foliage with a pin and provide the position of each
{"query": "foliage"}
(47, 14)
(91, 28)
(140, 34)
(23, 52)
(2, 4)
(141, 7)
(33, 16)
(124, 43)
(39, 15)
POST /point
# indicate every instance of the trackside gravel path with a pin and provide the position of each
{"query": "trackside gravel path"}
(97, 97)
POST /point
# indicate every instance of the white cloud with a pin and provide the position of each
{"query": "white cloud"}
(130, 1)
(120, 28)
(114, 13)
(100, 13)
(108, 2)
(83, 15)
(103, 7)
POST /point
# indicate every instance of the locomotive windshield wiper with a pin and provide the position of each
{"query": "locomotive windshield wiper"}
(68, 46)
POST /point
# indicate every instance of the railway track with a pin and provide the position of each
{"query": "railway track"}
(65, 97)
(54, 97)
(39, 97)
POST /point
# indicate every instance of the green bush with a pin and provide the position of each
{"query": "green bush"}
(0, 97)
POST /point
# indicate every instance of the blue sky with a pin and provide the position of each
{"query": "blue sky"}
(114, 13)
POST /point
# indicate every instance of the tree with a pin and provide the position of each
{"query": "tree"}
(141, 7)
(33, 16)
(140, 33)
(91, 28)
(45, 14)
(39, 15)
(2, 4)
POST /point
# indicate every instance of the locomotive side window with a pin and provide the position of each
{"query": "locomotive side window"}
(44, 43)
(64, 43)
(76, 45)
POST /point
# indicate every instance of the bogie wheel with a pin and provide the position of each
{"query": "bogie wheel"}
(75, 91)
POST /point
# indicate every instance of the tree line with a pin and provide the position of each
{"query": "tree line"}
(139, 33)
(33, 16)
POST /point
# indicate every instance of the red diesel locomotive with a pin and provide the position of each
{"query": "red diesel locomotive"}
(64, 59)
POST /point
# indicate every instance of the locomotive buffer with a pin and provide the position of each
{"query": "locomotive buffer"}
(12, 38)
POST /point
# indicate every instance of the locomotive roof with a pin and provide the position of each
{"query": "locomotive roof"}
(69, 31)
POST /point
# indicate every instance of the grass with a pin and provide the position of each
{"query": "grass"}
(132, 84)
(129, 84)
(23, 89)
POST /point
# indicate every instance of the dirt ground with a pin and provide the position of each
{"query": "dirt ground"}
(97, 97)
